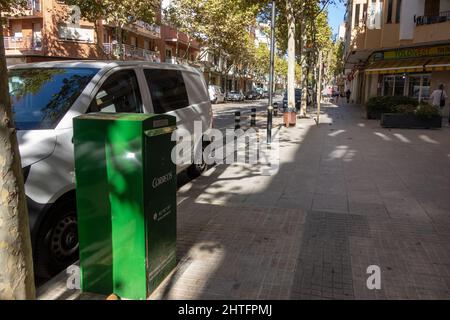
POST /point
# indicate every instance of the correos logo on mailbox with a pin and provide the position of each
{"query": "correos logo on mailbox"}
(161, 180)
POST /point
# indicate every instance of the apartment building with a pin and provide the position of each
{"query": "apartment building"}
(52, 30)
(38, 34)
(178, 47)
(395, 47)
(140, 40)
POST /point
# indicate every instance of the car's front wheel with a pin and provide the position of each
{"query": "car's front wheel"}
(196, 169)
(57, 240)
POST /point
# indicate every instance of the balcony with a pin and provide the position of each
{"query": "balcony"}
(188, 62)
(22, 46)
(140, 28)
(432, 28)
(131, 52)
(171, 35)
(33, 9)
(442, 17)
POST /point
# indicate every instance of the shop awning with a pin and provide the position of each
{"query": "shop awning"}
(397, 66)
(438, 64)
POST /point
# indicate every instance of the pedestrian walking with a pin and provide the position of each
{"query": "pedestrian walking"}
(348, 94)
(338, 95)
(438, 98)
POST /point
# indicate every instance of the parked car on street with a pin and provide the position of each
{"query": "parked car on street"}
(252, 95)
(47, 96)
(216, 94)
(235, 96)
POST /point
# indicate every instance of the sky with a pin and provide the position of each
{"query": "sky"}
(336, 14)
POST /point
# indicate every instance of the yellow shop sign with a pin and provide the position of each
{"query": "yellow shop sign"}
(418, 52)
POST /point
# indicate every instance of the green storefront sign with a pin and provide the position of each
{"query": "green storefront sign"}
(417, 52)
(126, 202)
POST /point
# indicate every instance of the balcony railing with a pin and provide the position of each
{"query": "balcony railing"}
(178, 61)
(442, 17)
(131, 52)
(22, 44)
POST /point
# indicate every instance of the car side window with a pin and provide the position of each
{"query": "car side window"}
(119, 93)
(167, 89)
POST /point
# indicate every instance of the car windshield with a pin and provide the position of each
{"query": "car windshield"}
(40, 97)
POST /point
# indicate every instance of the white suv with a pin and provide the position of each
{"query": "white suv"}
(47, 96)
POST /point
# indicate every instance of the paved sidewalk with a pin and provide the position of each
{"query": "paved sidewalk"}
(348, 195)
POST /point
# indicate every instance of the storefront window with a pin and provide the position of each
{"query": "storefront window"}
(414, 87)
(399, 86)
(388, 85)
(394, 85)
(419, 86)
(426, 82)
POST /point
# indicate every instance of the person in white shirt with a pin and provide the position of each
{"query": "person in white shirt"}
(439, 97)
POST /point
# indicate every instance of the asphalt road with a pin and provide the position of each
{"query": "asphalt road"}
(224, 112)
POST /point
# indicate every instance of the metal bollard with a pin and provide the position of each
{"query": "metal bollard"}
(237, 120)
(253, 118)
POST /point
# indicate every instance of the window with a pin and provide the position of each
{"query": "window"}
(168, 54)
(425, 88)
(356, 22)
(119, 93)
(419, 86)
(167, 90)
(414, 87)
(389, 11)
(40, 97)
(388, 85)
(399, 86)
(394, 85)
(398, 11)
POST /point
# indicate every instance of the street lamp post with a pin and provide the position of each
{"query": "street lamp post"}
(271, 74)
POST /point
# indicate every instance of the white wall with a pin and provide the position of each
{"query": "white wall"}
(445, 5)
(342, 29)
(409, 9)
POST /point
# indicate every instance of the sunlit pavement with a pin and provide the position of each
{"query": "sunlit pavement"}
(348, 195)
(224, 112)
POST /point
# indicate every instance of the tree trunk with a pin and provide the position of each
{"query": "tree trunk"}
(303, 79)
(186, 54)
(16, 263)
(176, 49)
(120, 45)
(319, 87)
(99, 45)
(307, 84)
(291, 55)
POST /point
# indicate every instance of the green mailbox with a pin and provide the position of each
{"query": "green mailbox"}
(126, 202)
